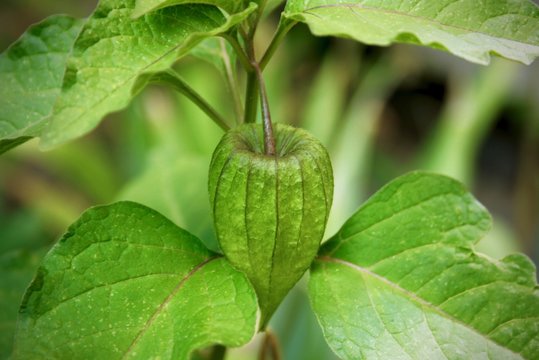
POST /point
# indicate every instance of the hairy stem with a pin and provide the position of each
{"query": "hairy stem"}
(172, 79)
(270, 348)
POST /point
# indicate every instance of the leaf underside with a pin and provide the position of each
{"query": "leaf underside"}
(124, 282)
(508, 28)
(31, 72)
(146, 6)
(113, 51)
(401, 280)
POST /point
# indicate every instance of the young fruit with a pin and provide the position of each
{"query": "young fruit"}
(270, 212)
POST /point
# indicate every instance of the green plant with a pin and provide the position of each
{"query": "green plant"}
(399, 279)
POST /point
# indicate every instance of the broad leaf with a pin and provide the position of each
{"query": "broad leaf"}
(401, 280)
(124, 282)
(509, 28)
(16, 271)
(22, 246)
(31, 72)
(145, 6)
(113, 51)
(178, 182)
(176, 195)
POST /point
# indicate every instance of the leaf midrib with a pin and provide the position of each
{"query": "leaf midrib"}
(400, 13)
(421, 202)
(165, 302)
(188, 40)
(415, 298)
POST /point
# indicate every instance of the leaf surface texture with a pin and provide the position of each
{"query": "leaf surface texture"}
(124, 282)
(31, 72)
(467, 28)
(401, 280)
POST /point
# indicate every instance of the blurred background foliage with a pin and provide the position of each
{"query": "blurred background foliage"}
(380, 111)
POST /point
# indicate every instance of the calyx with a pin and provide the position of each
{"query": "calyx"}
(270, 212)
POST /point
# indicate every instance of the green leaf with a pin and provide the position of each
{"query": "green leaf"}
(124, 282)
(401, 280)
(113, 50)
(31, 72)
(509, 28)
(183, 199)
(145, 6)
(297, 329)
(16, 270)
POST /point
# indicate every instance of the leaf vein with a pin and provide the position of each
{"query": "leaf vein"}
(420, 202)
(164, 304)
(378, 315)
(400, 13)
(412, 296)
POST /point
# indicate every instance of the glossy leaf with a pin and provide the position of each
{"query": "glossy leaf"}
(509, 28)
(401, 280)
(113, 51)
(145, 6)
(31, 72)
(124, 282)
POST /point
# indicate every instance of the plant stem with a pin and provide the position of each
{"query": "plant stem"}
(251, 90)
(269, 140)
(270, 346)
(244, 60)
(173, 79)
(231, 80)
(284, 27)
(253, 78)
(251, 98)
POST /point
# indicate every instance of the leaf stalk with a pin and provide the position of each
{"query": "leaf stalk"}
(174, 80)
(244, 60)
(285, 25)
